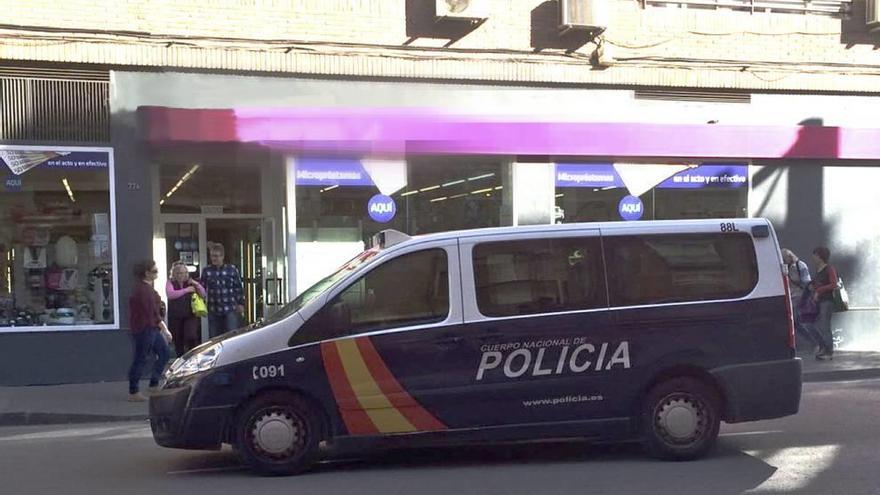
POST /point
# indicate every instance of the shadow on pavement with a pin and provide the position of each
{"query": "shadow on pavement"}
(569, 467)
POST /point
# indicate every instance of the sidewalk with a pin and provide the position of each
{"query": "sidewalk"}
(106, 401)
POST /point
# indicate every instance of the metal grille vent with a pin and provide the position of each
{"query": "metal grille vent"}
(691, 95)
(45, 104)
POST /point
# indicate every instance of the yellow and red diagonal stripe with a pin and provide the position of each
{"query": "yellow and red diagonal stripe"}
(370, 399)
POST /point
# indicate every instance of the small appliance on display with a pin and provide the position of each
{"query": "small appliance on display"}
(99, 289)
(63, 316)
(34, 257)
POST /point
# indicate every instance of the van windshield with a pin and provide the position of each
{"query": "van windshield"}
(322, 285)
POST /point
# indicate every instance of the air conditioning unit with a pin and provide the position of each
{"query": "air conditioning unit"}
(872, 14)
(587, 15)
(461, 9)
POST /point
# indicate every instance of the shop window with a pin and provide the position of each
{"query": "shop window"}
(656, 269)
(429, 194)
(596, 192)
(539, 276)
(342, 202)
(412, 289)
(56, 246)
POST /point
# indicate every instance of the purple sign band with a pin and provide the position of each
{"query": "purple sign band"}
(401, 131)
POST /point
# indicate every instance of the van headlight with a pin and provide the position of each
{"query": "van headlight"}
(201, 361)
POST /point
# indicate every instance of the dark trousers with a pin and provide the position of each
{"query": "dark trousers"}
(218, 324)
(823, 326)
(186, 331)
(147, 342)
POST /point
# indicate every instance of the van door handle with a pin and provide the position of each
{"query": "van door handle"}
(489, 334)
(449, 340)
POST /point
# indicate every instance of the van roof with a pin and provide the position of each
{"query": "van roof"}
(645, 226)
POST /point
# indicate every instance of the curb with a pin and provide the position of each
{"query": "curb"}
(37, 418)
(841, 375)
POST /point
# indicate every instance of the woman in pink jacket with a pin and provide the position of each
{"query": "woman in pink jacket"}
(185, 327)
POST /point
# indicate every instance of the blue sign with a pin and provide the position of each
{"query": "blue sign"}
(594, 175)
(80, 159)
(603, 175)
(709, 175)
(331, 172)
(630, 208)
(381, 208)
(12, 184)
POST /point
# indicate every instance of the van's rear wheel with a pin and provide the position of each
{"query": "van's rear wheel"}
(278, 433)
(680, 419)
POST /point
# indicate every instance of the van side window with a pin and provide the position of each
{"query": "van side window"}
(653, 269)
(411, 289)
(539, 276)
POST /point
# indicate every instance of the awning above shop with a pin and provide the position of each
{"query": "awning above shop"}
(420, 131)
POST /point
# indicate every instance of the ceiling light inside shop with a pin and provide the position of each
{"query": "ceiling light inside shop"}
(499, 188)
(484, 176)
(480, 191)
(442, 198)
(69, 191)
(429, 188)
(458, 196)
(334, 186)
(560, 195)
(409, 193)
(460, 181)
(180, 182)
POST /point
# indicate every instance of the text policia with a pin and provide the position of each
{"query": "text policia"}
(551, 357)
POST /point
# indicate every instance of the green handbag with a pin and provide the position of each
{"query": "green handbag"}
(199, 308)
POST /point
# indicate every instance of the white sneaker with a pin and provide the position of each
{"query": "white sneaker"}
(136, 397)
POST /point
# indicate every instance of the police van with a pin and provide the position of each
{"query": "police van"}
(645, 331)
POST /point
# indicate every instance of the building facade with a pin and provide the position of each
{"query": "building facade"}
(291, 131)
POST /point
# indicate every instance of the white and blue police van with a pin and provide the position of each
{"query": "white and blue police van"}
(649, 331)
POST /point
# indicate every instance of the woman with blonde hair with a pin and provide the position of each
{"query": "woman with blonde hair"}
(184, 325)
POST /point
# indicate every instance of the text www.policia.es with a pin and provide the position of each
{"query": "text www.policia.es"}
(567, 399)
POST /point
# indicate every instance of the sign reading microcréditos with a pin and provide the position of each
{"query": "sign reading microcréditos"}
(382, 208)
(331, 172)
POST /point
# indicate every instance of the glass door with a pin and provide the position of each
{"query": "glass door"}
(274, 268)
(242, 241)
(184, 241)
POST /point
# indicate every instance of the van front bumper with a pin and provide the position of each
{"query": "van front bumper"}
(764, 390)
(178, 426)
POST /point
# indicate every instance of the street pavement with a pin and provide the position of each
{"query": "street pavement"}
(829, 447)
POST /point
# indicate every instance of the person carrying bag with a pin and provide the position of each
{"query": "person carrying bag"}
(186, 306)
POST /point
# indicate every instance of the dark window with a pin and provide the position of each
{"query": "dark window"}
(653, 269)
(411, 289)
(539, 276)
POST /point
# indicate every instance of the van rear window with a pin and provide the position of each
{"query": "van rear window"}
(654, 269)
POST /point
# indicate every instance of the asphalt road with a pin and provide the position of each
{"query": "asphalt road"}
(830, 447)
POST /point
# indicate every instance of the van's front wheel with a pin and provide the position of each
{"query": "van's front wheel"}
(680, 419)
(278, 433)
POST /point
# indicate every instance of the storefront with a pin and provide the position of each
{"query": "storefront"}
(292, 189)
(57, 240)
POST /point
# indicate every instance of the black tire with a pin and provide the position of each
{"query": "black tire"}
(680, 419)
(279, 433)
